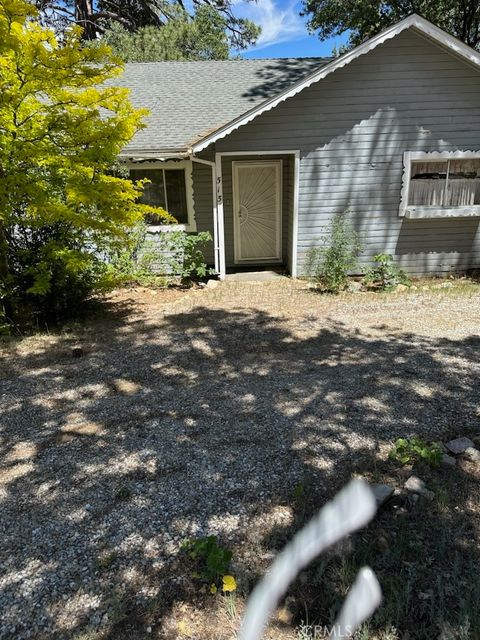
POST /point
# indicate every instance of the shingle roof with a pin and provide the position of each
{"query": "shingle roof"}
(188, 100)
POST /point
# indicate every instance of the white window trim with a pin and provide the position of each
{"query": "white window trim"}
(415, 211)
(191, 226)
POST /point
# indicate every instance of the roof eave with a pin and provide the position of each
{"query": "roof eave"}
(414, 21)
(137, 155)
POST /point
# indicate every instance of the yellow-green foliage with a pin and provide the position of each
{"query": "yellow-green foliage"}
(61, 130)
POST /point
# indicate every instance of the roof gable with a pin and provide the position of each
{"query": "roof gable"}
(415, 22)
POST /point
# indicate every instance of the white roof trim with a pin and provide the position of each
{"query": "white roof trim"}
(414, 21)
(141, 156)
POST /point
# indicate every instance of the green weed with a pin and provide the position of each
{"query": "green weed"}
(410, 451)
(210, 558)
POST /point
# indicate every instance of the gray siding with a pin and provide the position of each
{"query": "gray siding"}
(203, 204)
(352, 129)
(289, 179)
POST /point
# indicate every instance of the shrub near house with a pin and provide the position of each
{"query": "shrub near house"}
(330, 264)
(60, 133)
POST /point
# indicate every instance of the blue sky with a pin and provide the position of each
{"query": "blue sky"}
(284, 32)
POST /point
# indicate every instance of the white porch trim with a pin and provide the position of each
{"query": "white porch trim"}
(216, 246)
(218, 197)
(220, 209)
(296, 199)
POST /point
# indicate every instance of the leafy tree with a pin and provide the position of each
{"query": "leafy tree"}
(94, 16)
(61, 129)
(201, 38)
(364, 18)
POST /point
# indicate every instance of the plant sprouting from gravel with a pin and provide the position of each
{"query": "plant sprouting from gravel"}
(330, 264)
(409, 451)
(211, 562)
(385, 275)
(106, 560)
(123, 493)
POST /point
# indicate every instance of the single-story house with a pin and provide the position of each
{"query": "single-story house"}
(262, 153)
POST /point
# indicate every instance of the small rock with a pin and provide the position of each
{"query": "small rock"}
(415, 485)
(472, 454)
(382, 493)
(401, 287)
(77, 352)
(459, 445)
(354, 286)
(413, 498)
(212, 284)
(448, 461)
(284, 615)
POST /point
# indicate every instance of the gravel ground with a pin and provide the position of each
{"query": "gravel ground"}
(197, 413)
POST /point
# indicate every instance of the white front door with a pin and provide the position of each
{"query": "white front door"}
(257, 211)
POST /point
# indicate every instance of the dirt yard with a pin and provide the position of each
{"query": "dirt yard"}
(236, 411)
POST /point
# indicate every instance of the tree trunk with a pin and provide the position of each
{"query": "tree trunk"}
(83, 17)
(5, 276)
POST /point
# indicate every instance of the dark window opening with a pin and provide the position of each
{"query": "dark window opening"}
(166, 189)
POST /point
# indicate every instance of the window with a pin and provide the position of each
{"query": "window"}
(440, 185)
(167, 189)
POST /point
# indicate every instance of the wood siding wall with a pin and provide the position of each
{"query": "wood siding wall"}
(203, 204)
(352, 130)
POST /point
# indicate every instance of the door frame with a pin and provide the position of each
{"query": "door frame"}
(219, 208)
(278, 164)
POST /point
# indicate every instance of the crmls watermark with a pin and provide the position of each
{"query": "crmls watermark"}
(319, 632)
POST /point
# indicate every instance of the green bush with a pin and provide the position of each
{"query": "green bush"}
(384, 275)
(184, 257)
(142, 260)
(409, 451)
(138, 261)
(211, 559)
(62, 125)
(54, 270)
(330, 264)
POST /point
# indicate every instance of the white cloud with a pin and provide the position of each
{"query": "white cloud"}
(279, 22)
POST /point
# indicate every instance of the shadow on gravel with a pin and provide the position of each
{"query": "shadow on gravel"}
(212, 422)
